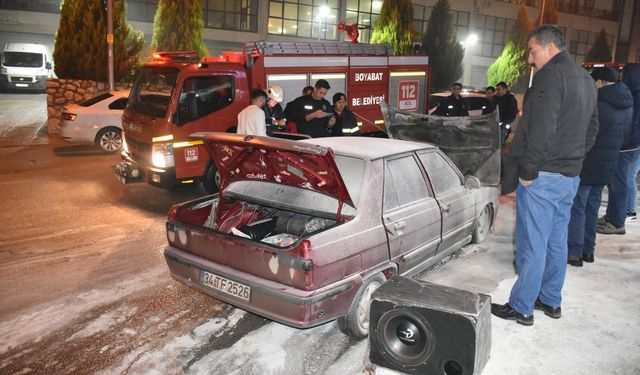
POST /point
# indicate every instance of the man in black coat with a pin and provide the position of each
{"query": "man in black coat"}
(615, 110)
(453, 105)
(506, 102)
(558, 127)
(313, 114)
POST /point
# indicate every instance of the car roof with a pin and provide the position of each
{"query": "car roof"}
(368, 147)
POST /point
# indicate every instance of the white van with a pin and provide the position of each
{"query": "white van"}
(25, 66)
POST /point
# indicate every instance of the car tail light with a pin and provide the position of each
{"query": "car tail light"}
(306, 263)
(69, 116)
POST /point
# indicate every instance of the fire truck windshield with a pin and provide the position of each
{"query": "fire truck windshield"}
(152, 90)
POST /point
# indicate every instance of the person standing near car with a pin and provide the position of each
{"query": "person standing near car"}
(453, 105)
(313, 113)
(274, 115)
(613, 221)
(507, 103)
(346, 123)
(251, 120)
(490, 94)
(558, 128)
(615, 108)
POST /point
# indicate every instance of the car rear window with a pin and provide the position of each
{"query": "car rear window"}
(96, 99)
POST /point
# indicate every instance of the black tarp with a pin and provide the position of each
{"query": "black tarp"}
(471, 142)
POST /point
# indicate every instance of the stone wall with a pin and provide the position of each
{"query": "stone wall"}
(61, 92)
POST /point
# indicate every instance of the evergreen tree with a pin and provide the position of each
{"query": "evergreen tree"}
(395, 26)
(81, 50)
(511, 66)
(550, 13)
(177, 26)
(441, 44)
(600, 50)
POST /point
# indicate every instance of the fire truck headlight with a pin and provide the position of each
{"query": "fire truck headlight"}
(162, 155)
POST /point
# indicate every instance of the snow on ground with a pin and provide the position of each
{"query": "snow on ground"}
(45, 319)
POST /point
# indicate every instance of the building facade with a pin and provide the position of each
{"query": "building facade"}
(229, 23)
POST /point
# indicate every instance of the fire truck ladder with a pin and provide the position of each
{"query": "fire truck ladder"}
(316, 48)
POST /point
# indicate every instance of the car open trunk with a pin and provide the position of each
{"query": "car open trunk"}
(274, 196)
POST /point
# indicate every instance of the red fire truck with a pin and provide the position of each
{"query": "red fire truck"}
(176, 95)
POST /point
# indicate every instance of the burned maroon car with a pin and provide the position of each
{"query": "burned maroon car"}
(302, 232)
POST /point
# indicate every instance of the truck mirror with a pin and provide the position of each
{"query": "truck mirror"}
(47, 65)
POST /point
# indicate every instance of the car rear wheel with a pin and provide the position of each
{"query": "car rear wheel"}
(109, 139)
(356, 323)
(483, 224)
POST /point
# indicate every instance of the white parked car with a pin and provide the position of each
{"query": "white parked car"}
(476, 101)
(96, 121)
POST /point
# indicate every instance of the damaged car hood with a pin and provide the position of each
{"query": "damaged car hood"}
(472, 143)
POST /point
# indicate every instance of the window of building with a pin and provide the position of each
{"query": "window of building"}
(581, 41)
(304, 18)
(141, 10)
(459, 19)
(45, 6)
(239, 15)
(493, 33)
(364, 13)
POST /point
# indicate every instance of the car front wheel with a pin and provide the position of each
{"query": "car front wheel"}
(483, 224)
(356, 323)
(109, 139)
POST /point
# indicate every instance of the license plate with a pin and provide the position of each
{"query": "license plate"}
(21, 85)
(225, 285)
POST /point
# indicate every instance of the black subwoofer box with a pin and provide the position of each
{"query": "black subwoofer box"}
(418, 327)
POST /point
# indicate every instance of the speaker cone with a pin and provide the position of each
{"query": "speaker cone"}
(405, 337)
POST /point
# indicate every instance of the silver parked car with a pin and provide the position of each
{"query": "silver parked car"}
(96, 121)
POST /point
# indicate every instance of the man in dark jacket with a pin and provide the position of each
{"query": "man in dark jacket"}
(313, 114)
(507, 109)
(557, 129)
(613, 221)
(507, 103)
(453, 105)
(615, 108)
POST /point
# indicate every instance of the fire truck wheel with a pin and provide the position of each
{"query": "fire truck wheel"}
(211, 179)
(356, 323)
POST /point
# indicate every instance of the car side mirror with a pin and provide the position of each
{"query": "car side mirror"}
(47, 65)
(472, 182)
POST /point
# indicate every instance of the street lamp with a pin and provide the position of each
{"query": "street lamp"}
(470, 41)
(323, 12)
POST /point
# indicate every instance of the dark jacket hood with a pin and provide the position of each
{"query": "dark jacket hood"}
(616, 95)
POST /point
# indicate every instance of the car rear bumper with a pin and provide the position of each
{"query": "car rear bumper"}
(287, 305)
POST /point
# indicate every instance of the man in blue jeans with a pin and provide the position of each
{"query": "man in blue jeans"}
(613, 221)
(615, 107)
(557, 129)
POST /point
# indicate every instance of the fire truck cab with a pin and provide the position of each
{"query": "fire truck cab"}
(176, 95)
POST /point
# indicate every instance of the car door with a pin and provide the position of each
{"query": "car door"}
(456, 201)
(411, 215)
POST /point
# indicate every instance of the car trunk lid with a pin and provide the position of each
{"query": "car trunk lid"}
(281, 161)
